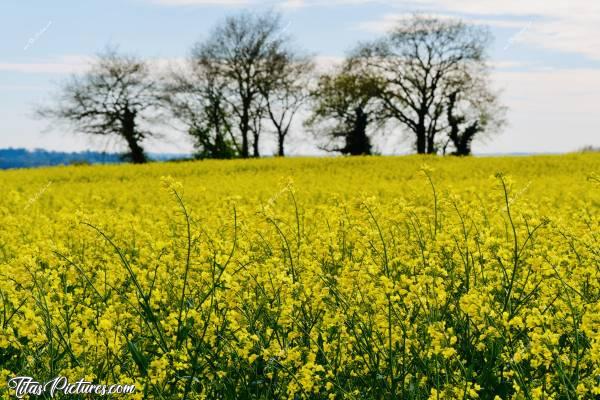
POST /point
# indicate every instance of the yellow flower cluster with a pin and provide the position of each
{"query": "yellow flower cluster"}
(347, 278)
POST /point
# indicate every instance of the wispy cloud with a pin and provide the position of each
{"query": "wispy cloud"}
(538, 114)
(203, 2)
(281, 4)
(61, 65)
(79, 63)
(293, 4)
(388, 21)
(327, 63)
(561, 25)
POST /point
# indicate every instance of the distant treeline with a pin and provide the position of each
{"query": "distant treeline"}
(23, 158)
(427, 80)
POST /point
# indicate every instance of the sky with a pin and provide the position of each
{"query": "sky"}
(545, 59)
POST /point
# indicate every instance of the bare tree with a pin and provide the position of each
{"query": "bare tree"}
(111, 99)
(343, 107)
(285, 92)
(195, 97)
(240, 51)
(420, 62)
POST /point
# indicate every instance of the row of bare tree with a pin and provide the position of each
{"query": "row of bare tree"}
(427, 78)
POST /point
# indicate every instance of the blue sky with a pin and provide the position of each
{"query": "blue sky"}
(546, 57)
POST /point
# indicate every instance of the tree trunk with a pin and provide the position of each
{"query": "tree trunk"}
(280, 148)
(421, 140)
(136, 152)
(463, 148)
(421, 133)
(357, 141)
(245, 151)
(431, 144)
(255, 152)
(461, 141)
(245, 129)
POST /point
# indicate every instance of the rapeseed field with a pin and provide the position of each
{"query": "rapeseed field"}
(346, 278)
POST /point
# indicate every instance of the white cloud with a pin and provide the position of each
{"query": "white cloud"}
(555, 8)
(325, 64)
(283, 4)
(549, 110)
(562, 25)
(507, 64)
(203, 2)
(79, 63)
(308, 3)
(62, 65)
(389, 21)
(293, 4)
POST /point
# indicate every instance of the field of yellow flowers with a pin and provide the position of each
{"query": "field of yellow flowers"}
(346, 278)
